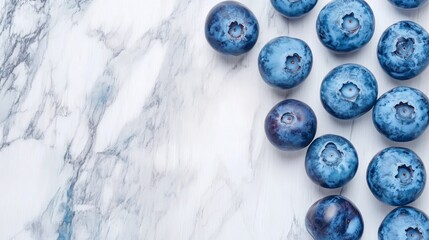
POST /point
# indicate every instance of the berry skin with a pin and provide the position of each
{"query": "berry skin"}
(401, 114)
(408, 4)
(290, 125)
(334, 218)
(345, 25)
(231, 28)
(285, 62)
(404, 223)
(331, 161)
(349, 91)
(403, 50)
(396, 176)
(293, 8)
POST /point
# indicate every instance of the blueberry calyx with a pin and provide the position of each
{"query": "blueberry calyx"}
(413, 233)
(404, 47)
(350, 25)
(293, 63)
(288, 118)
(405, 174)
(236, 30)
(349, 91)
(405, 112)
(331, 155)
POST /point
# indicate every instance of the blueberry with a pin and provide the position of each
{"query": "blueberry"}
(401, 114)
(290, 125)
(334, 218)
(331, 161)
(349, 91)
(231, 28)
(396, 176)
(408, 4)
(403, 50)
(293, 8)
(285, 62)
(345, 25)
(404, 223)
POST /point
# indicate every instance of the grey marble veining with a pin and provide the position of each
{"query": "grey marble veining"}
(118, 121)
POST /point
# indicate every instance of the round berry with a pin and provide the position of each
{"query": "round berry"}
(403, 50)
(285, 62)
(405, 223)
(293, 8)
(290, 125)
(331, 161)
(345, 25)
(349, 91)
(396, 176)
(334, 218)
(231, 28)
(401, 114)
(408, 4)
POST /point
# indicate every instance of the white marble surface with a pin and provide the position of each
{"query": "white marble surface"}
(118, 121)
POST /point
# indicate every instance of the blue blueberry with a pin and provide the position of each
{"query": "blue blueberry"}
(408, 4)
(285, 62)
(231, 28)
(402, 114)
(290, 125)
(345, 25)
(331, 161)
(293, 8)
(349, 91)
(334, 218)
(404, 223)
(396, 176)
(403, 50)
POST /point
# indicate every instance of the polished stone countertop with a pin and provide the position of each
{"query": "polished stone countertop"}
(118, 121)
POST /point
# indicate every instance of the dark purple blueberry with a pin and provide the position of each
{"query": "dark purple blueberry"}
(334, 218)
(291, 125)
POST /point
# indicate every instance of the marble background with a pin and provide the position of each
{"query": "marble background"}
(118, 121)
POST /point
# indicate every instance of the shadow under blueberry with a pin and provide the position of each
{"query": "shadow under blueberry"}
(230, 60)
(347, 56)
(282, 93)
(327, 191)
(293, 20)
(288, 155)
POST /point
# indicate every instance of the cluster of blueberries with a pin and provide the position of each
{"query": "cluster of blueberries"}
(396, 176)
